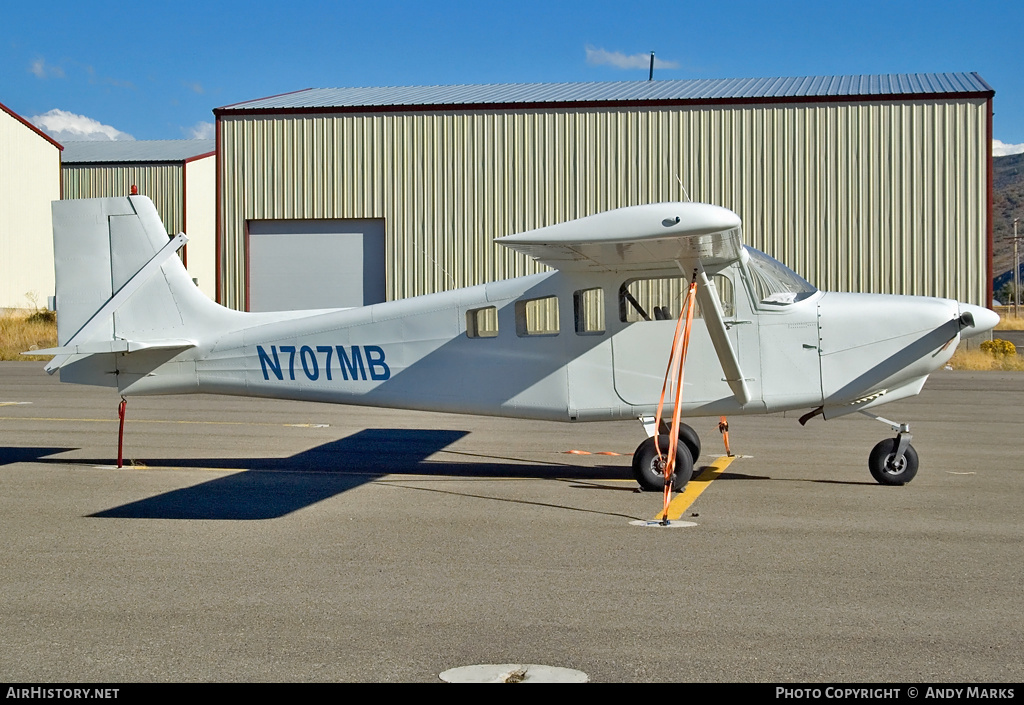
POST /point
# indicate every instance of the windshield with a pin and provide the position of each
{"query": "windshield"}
(774, 282)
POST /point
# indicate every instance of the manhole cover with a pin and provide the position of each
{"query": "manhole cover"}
(513, 673)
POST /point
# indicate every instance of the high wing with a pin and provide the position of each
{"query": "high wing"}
(687, 236)
(636, 238)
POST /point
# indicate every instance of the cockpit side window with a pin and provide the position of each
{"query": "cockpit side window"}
(661, 298)
(726, 294)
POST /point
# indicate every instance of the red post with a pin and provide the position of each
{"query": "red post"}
(120, 431)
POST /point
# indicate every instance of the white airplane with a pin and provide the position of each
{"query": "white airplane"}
(587, 341)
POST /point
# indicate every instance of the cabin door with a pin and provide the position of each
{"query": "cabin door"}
(648, 311)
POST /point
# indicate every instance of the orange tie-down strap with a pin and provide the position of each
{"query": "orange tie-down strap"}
(723, 428)
(674, 373)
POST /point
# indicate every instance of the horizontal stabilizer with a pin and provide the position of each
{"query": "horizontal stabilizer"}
(107, 346)
(114, 346)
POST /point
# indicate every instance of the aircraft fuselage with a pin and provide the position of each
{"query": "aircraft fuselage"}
(429, 352)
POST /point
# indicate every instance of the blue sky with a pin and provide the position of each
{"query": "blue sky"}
(156, 70)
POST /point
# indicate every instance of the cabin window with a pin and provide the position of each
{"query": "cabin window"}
(537, 316)
(661, 298)
(482, 322)
(589, 308)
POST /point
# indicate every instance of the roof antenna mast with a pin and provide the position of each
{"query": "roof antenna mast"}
(650, 77)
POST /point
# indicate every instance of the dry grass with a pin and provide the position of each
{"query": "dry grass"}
(21, 331)
(1007, 321)
(979, 360)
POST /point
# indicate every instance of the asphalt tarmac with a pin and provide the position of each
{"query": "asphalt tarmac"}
(256, 540)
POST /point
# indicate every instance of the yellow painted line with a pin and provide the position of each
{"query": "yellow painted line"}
(682, 501)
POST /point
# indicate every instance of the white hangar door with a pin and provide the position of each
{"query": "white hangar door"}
(301, 264)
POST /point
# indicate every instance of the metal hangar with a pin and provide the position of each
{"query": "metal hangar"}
(347, 196)
(178, 175)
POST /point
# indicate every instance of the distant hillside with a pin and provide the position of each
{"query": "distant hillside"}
(1007, 204)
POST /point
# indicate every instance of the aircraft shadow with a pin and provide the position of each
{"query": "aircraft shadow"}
(10, 456)
(274, 487)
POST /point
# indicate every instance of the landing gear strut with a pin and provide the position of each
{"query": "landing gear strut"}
(687, 435)
(893, 461)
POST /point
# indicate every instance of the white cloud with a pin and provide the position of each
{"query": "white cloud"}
(40, 69)
(598, 57)
(201, 131)
(68, 127)
(1001, 149)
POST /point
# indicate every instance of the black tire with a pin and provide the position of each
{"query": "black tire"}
(885, 471)
(691, 440)
(648, 471)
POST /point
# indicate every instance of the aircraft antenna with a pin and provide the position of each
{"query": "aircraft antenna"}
(688, 199)
(439, 266)
(422, 248)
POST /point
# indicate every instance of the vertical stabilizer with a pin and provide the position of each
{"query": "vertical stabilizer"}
(81, 245)
(119, 286)
(100, 245)
(126, 308)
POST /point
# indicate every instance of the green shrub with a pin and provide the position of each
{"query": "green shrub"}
(42, 316)
(998, 348)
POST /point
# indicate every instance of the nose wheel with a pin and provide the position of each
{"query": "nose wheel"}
(888, 466)
(893, 461)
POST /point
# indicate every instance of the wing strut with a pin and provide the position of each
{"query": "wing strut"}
(715, 321)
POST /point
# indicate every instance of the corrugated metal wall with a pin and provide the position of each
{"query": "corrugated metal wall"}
(163, 183)
(880, 196)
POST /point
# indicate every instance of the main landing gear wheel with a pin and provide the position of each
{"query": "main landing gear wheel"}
(886, 469)
(691, 440)
(649, 471)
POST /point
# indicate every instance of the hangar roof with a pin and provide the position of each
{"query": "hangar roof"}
(689, 90)
(146, 151)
